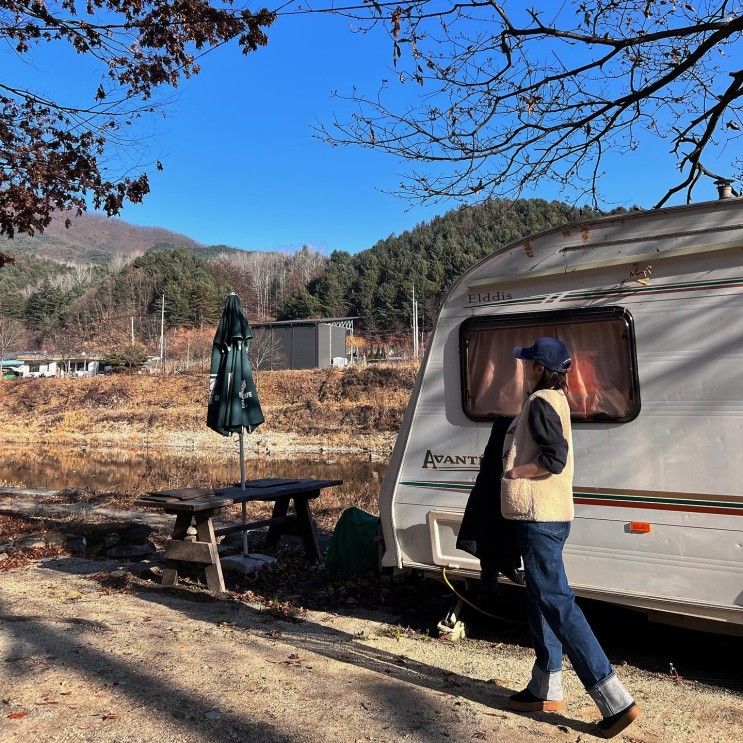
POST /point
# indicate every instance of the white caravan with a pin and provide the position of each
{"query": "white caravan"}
(651, 305)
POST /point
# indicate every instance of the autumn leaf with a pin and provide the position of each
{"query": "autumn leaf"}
(17, 715)
(396, 22)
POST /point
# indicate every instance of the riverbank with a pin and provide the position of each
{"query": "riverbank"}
(350, 410)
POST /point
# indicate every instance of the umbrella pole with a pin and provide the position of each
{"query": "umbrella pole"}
(242, 486)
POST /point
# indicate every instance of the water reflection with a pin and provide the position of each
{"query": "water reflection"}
(135, 472)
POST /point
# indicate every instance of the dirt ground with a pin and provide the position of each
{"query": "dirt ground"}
(90, 656)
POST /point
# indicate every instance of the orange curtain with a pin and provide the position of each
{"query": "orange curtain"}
(599, 381)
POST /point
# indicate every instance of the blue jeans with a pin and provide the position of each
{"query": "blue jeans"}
(556, 622)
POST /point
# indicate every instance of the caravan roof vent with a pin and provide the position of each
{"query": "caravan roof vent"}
(724, 188)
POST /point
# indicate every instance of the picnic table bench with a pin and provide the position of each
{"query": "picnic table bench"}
(198, 506)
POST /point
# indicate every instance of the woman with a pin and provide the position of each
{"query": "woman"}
(537, 494)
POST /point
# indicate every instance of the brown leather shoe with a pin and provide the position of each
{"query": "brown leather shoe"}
(611, 726)
(525, 701)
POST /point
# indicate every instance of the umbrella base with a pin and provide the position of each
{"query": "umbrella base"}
(246, 564)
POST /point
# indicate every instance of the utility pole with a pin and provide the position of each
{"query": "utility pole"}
(162, 332)
(422, 328)
(415, 325)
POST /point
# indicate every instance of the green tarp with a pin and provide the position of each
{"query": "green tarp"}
(354, 548)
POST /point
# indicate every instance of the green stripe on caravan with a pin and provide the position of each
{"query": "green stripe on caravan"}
(578, 494)
(655, 499)
(449, 485)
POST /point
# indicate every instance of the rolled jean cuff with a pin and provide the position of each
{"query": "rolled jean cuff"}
(610, 696)
(546, 684)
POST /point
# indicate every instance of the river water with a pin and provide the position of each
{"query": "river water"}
(44, 466)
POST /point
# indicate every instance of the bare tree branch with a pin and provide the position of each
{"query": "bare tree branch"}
(509, 99)
(52, 153)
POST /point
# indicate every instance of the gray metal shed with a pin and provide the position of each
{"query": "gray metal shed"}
(308, 344)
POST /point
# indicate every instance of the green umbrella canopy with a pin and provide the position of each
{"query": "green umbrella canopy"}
(233, 400)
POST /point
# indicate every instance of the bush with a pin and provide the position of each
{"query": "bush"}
(125, 358)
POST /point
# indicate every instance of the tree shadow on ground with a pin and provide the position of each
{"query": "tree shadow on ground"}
(35, 639)
(68, 647)
(419, 604)
(344, 647)
(628, 636)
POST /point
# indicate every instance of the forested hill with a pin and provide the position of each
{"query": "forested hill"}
(55, 304)
(376, 284)
(52, 304)
(103, 272)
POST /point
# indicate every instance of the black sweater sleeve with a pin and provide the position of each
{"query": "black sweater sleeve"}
(546, 430)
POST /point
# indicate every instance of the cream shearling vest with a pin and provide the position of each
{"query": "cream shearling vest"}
(546, 498)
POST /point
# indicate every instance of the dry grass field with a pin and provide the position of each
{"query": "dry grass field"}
(360, 407)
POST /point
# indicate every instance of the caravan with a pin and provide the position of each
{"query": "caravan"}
(651, 304)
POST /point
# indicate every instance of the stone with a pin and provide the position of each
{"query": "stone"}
(111, 539)
(118, 573)
(55, 538)
(138, 534)
(246, 565)
(3, 556)
(76, 543)
(131, 551)
(145, 569)
(227, 549)
(31, 542)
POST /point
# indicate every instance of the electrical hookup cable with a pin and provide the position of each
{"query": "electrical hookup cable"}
(470, 603)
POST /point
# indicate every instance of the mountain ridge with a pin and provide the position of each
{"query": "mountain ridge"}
(96, 239)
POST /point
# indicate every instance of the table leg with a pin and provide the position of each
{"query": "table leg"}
(180, 530)
(280, 509)
(205, 533)
(307, 529)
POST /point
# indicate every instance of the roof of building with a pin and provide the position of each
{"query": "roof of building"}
(305, 321)
(36, 357)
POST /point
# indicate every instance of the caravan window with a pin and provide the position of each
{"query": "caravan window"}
(602, 381)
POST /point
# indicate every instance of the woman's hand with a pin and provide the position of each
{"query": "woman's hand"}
(528, 470)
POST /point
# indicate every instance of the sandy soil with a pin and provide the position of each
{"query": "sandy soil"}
(82, 661)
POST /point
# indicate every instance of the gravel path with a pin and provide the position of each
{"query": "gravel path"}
(83, 662)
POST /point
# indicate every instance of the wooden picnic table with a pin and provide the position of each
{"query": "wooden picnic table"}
(198, 506)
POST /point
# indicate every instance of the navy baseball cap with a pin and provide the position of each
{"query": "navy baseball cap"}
(551, 353)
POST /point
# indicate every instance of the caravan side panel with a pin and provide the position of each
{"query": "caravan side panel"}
(676, 466)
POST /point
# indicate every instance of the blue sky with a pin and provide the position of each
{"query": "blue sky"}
(242, 164)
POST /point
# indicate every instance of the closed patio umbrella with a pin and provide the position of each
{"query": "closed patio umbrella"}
(233, 400)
